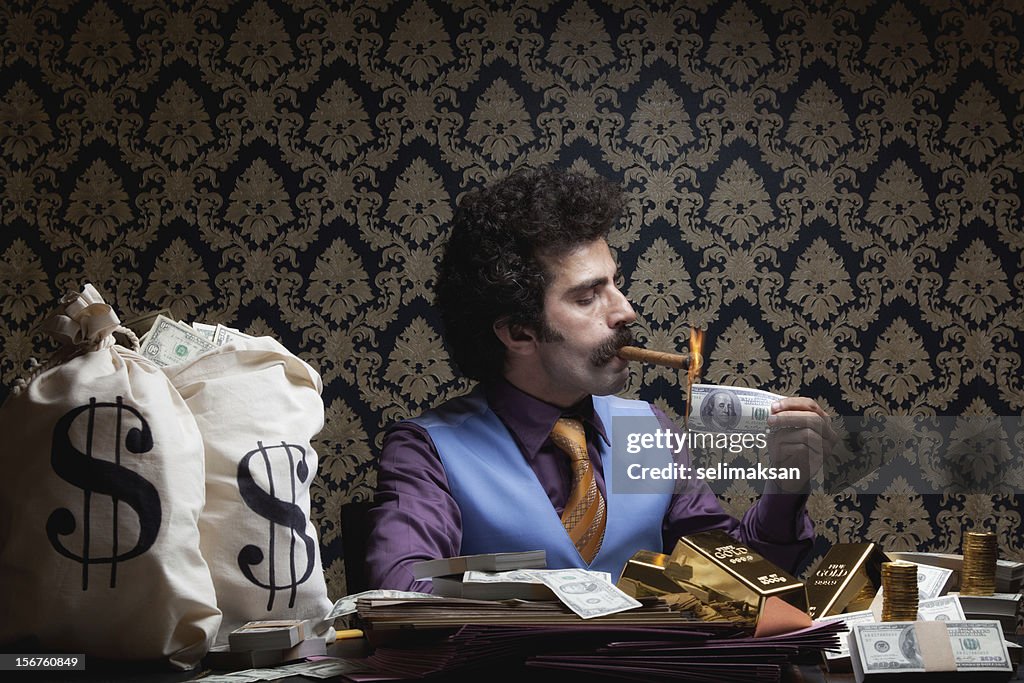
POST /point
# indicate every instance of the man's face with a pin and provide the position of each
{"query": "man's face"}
(722, 407)
(586, 318)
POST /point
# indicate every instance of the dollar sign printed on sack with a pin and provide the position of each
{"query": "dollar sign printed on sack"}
(97, 470)
(269, 504)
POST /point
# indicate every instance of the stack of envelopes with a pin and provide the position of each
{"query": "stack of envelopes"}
(659, 641)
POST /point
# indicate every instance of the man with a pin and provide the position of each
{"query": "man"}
(529, 298)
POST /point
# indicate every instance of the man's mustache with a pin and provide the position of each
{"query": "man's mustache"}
(622, 336)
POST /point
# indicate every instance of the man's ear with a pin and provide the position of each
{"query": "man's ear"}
(519, 340)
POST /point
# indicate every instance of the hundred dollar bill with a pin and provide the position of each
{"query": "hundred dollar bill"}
(170, 342)
(979, 646)
(892, 647)
(886, 647)
(932, 581)
(944, 608)
(585, 594)
(717, 408)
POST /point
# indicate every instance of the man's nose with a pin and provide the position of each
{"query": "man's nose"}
(622, 311)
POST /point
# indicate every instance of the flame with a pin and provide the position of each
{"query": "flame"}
(696, 357)
(693, 372)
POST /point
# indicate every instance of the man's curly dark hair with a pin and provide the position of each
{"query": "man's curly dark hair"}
(491, 268)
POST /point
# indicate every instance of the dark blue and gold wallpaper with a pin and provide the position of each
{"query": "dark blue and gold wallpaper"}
(831, 189)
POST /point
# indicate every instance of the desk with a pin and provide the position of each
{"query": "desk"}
(106, 672)
(797, 674)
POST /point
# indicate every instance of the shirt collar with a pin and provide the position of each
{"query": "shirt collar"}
(530, 419)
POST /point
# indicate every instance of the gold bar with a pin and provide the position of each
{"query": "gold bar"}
(644, 576)
(844, 578)
(721, 571)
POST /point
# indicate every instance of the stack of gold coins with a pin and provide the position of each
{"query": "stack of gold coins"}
(978, 575)
(899, 591)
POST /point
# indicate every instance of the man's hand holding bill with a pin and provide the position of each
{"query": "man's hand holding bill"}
(800, 435)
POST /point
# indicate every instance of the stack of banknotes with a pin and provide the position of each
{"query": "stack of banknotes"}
(882, 651)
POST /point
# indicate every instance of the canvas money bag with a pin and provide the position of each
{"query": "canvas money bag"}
(258, 407)
(100, 497)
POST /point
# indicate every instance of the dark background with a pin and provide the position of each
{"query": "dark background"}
(830, 189)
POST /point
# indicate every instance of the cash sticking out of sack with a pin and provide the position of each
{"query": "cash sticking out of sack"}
(170, 342)
(717, 408)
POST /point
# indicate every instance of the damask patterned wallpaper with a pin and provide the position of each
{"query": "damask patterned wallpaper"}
(830, 189)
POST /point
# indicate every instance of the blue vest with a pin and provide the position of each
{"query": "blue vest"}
(504, 507)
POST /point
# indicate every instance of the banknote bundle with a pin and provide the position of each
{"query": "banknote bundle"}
(1006, 608)
(942, 608)
(490, 562)
(515, 584)
(223, 658)
(567, 596)
(930, 650)
(267, 634)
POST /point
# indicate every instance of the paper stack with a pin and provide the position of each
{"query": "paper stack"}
(679, 652)
(381, 614)
(1006, 608)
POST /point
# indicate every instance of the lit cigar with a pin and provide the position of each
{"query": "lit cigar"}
(671, 360)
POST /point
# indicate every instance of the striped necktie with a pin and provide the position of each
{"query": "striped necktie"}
(584, 514)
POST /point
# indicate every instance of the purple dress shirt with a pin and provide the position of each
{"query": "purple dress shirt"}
(415, 517)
